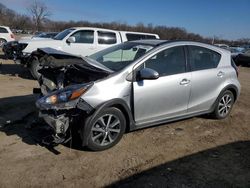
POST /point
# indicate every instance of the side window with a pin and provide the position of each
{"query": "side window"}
(202, 58)
(84, 36)
(168, 62)
(131, 36)
(106, 37)
(150, 37)
(3, 30)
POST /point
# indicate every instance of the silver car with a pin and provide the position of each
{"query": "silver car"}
(133, 85)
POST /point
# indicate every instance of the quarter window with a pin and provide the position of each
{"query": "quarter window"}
(168, 62)
(3, 30)
(106, 37)
(85, 36)
(202, 58)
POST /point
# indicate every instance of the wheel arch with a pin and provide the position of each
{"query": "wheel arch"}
(117, 103)
(229, 87)
(233, 89)
(121, 105)
(3, 38)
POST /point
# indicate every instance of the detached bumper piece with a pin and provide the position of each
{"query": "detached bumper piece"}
(54, 140)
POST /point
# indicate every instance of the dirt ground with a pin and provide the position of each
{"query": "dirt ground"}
(197, 152)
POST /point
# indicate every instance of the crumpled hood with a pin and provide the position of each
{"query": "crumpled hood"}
(56, 58)
(61, 69)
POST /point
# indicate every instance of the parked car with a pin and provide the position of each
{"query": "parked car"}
(46, 35)
(81, 41)
(243, 59)
(235, 51)
(6, 35)
(224, 46)
(11, 48)
(38, 36)
(133, 85)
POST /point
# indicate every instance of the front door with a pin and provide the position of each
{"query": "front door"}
(84, 44)
(167, 96)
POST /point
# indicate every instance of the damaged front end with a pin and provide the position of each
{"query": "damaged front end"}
(13, 50)
(64, 80)
(64, 108)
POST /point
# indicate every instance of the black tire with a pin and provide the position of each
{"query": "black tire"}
(2, 41)
(34, 67)
(92, 130)
(222, 111)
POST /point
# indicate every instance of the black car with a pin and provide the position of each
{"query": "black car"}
(243, 59)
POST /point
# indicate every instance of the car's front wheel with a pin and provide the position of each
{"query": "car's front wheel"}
(106, 129)
(34, 67)
(224, 105)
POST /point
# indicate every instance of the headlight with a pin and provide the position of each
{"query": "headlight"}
(65, 95)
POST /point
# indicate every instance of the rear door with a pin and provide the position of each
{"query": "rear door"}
(107, 39)
(167, 96)
(206, 78)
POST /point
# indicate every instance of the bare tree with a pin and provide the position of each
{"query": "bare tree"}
(39, 11)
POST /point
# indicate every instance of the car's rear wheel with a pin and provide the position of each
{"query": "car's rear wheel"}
(106, 129)
(34, 67)
(224, 105)
(2, 41)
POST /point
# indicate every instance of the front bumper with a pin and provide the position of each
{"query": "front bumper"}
(61, 117)
(59, 123)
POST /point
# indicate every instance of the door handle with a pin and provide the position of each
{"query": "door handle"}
(184, 81)
(220, 74)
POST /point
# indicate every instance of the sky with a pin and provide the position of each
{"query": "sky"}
(228, 19)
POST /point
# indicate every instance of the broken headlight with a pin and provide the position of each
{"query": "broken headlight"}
(66, 94)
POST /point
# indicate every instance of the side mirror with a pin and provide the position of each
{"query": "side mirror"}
(147, 74)
(71, 40)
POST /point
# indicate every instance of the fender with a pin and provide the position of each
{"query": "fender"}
(228, 87)
(118, 103)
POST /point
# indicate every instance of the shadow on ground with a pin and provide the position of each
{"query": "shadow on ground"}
(14, 70)
(18, 116)
(223, 166)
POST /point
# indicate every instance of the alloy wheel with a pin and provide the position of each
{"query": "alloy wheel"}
(225, 105)
(106, 130)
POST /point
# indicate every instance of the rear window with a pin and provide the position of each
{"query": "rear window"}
(131, 36)
(202, 58)
(3, 30)
(106, 37)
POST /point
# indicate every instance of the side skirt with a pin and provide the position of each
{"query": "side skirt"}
(153, 123)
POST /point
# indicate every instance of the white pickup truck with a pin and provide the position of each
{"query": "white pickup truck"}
(79, 41)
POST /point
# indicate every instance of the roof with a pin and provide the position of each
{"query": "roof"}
(6, 27)
(92, 28)
(158, 42)
(153, 42)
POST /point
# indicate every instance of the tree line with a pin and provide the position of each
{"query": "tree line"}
(39, 21)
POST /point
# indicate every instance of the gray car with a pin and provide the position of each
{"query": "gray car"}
(134, 85)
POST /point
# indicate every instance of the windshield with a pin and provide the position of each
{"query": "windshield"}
(121, 55)
(63, 34)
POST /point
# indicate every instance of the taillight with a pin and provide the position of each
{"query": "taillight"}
(235, 67)
(12, 36)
